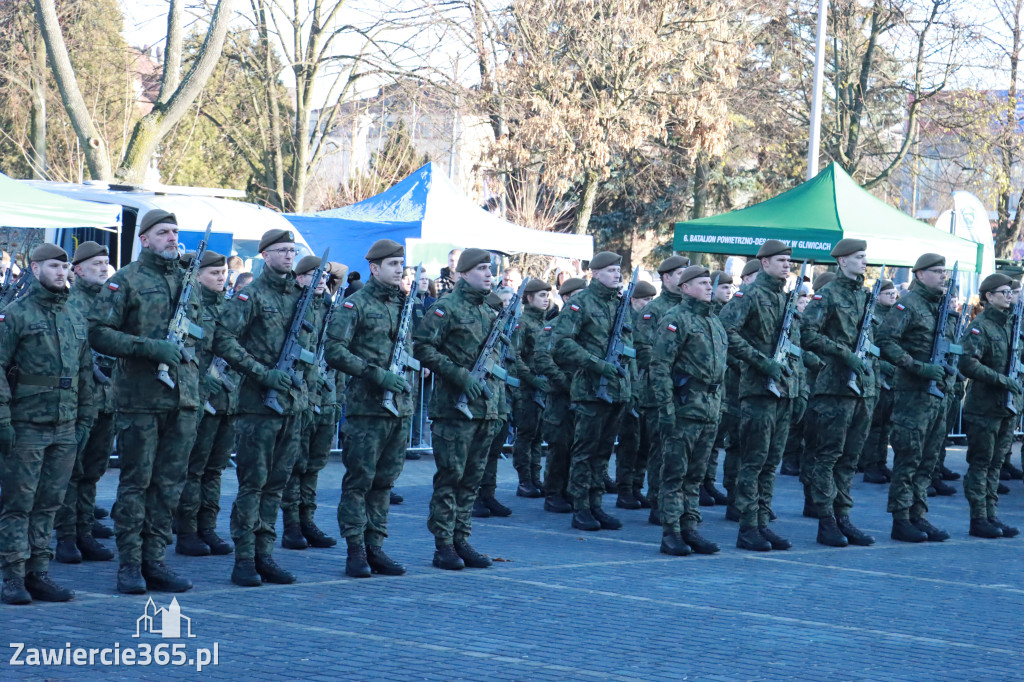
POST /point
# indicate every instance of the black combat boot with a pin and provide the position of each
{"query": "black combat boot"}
(42, 588)
(1015, 473)
(271, 572)
(874, 474)
(92, 550)
(934, 534)
(190, 544)
(699, 543)
(942, 488)
(751, 538)
(101, 532)
(480, 510)
(1008, 531)
(609, 485)
(292, 537)
(162, 579)
(853, 534)
(396, 498)
(100, 512)
(528, 489)
(218, 546)
(981, 528)
(674, 545)
(470, 557)
(732, 513)
(705, 499)
(67, 551)
(625, 500)
(947, 474)
(356, 565)
(777, 541)
(316, 537)
(829, 533)
(789, 469)
(1003, 489)
(718, 495)
(641, 498)
(14, 592)
(556, 504)
(496, 508)
(129, 579)
(904, 531)
(607, 521)
(584, 520)
(381, 563)
(446, 558)
(654, 516)
(244, 573)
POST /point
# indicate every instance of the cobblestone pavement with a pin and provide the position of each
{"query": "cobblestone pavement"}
(561, 604)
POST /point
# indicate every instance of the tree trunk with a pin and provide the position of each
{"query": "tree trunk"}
(172, 53)
(273, 157)
(1007, 229)
(701, 180)
(37, 130)
(586, 207)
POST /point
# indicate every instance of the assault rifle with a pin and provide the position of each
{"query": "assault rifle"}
(784, 346)
(510, 328)
(1013, 366)
(15, 289)
(180, 327)
(219, 371)
(97, 374)
(941, 346)
(321, 348)
(616, 348)
(292, 351)
(864, 346)
(401, 359)
(485, 367)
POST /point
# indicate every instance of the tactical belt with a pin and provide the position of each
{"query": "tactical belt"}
(52, 382)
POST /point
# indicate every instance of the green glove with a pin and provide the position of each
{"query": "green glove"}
(390, 381)
(1010, 384)
(853, 362)
(210, 384)
(605, 369)
(473, 387)
(164, 352)
(927, 370)
(541, 384)
(6, 437)
(277, 379)
(776, 370)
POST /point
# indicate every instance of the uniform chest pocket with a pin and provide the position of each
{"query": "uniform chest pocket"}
(464, 322)
(269, 309)
(38, 328)
(149, 290)
(374, 316)
(81, 332)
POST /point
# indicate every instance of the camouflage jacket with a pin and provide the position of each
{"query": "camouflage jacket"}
(251, 334)
(83, 296)
(886, 370)
(531, 327)
(752, 318)
(985, 360)
(545, 364)
(447, 342)
(137, 304)
(647, 327)
(326, 396)
(582, 332)
(688, 365)
(363, 334)
(45, 361)
(222, 400)
(908, 332)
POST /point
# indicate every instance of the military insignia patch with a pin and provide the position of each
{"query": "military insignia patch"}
(647, 316)
(573, 306)
(817, 297)
(673, 328)
(243, 297)
(547, 329)
(348, 304)
(901, 306)
(738, 294)
(113, 286)
(439, 312)
(975, 330)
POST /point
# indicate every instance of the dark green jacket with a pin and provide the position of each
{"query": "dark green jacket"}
(326, 396)
(688, 364)
(447, 342)
(136, 304)
(647, 327)
(82, 298)
(531, 325)
(985, 361)
(222, 400)
(886, 373)
(42, 342)
(907, 334)
(582, 332)
(363, 334)
(251, 335)
(830, 327)
(559, 381)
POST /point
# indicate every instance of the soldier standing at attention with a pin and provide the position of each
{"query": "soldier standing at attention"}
(361, 341)
(448, 341)
(710, 495)
(686, 374)
(919, 417)
(215, 438)
(526, 455)
(988, 420)
(876, 447)
(840, 416)
(583, 330)
(753, 319)
(632, 451)
(46, 409)
(76, 521)
(156, 424)
(255, 327)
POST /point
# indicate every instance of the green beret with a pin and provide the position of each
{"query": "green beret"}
(384, 248)
(886, 285)
(1015, 284)
(644, 290)
(271, 237)
(673, 263)
(153, 218)
(212, 259)
(773, 247)
(536, 284)
(471, 258)
(48, 252)
(823, 279)
(570, 285)
(751, 267)
(185, 259)
(604, 260)
(722, 276)
(928, 260)
(848, 247)
(693, 272)
(307, 264)
(493, 300)
(87, 250)
(993, 282)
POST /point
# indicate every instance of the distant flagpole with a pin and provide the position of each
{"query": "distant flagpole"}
(819, 74)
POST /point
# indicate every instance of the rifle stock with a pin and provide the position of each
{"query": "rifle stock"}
(401, 359)
(941, 346)
(617, 349)
(864, 345)
(1013, 368)
(784, 346)
(181, 327)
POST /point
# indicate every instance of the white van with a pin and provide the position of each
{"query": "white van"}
(237, 225)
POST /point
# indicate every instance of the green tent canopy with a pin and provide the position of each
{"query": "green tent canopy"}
(814, 216)
(24, 206)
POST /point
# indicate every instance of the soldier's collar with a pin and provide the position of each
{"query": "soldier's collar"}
(156, 262)
(768, 282)
(924, 291)
(45, 296)
(210, 297)
(696, 305)
(383, 291)
(277, 281)
(849, 282)
(671, 295)
(86, 286)
(472, 294)
(601, 290)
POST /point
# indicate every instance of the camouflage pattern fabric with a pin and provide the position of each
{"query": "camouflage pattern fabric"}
(558, 430)
(764, 427)
(460, 467)
(199, 503)
(489, 481)
(687, 448)
(374, 456)
(595, 426)
(298, 502)
(77, 513)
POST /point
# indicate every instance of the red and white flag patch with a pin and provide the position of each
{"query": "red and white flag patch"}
(348, 304)
(672, 327)
(739, 294)
(901, 306)
(975, 330)
(647, 316)
(573, 306)
(547, 329)
(113, 286)
(243, 297)
(817, 297)
(439, 312)
(3, 317)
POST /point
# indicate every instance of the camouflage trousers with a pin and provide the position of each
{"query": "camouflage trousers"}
(649, 416)
(684, 461)
(795, 442)
(876, 447)
(33, 479)
(153, 451)
(764, 427)
(374, 458)
(841, 425)
(632, 452)
(526, 454)
(918, 429)
(722, 439)
(267, 446)
(298, 501)
(596, 425)
(987, 438)
(211, 453)
(730, 439)
(460, 455)
(558, 432)
(489, 481)
(78, 512)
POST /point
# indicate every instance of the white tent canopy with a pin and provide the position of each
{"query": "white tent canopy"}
(23, 206)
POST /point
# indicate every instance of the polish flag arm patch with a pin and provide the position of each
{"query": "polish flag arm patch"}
(439, 312)
(348, 304)
(573, 306)
(975, 330)
(900, 306)
(738, 294)
(672, 328)
(243, 297)
(3, 317)
(547, 329)
(647, 316)
(817, 297)
(113, 286)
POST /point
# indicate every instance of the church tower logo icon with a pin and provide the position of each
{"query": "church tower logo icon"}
(167, 622)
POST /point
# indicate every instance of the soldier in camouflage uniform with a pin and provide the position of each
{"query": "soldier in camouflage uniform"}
(448, 341)
(753, 319)
(156, 424)
(686, 373)
(76, 523)
(840, 416)
(876, 447)
(528, 407)
(988, 420)
(361, 341)
(250, 336)
(919, 417)
(199, 504)
(46, 409)
(583, 330)
(710, 494)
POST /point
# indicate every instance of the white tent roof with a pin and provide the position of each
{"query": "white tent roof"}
(24, 206)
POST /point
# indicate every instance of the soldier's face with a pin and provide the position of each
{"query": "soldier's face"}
(934, 278)
(52, 274)
(453, 259)
(405, 285)
(776, 266)
(610, 276)
(723, 293)
(480, 277)
(854, 264)
(747, 279)
(280, 257)
(1000, 298)
(161, 239)
(213, 278)
(801, 302)
(670, 279)
(540, 300)
(887, 298)
(699, 288)
(389, 271)
(94, 270)
(638, 303)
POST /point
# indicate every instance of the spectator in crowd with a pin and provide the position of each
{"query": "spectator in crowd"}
(446, 282)
(512, 278)
(243, 280)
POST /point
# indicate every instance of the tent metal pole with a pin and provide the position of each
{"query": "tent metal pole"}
(819, 73)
